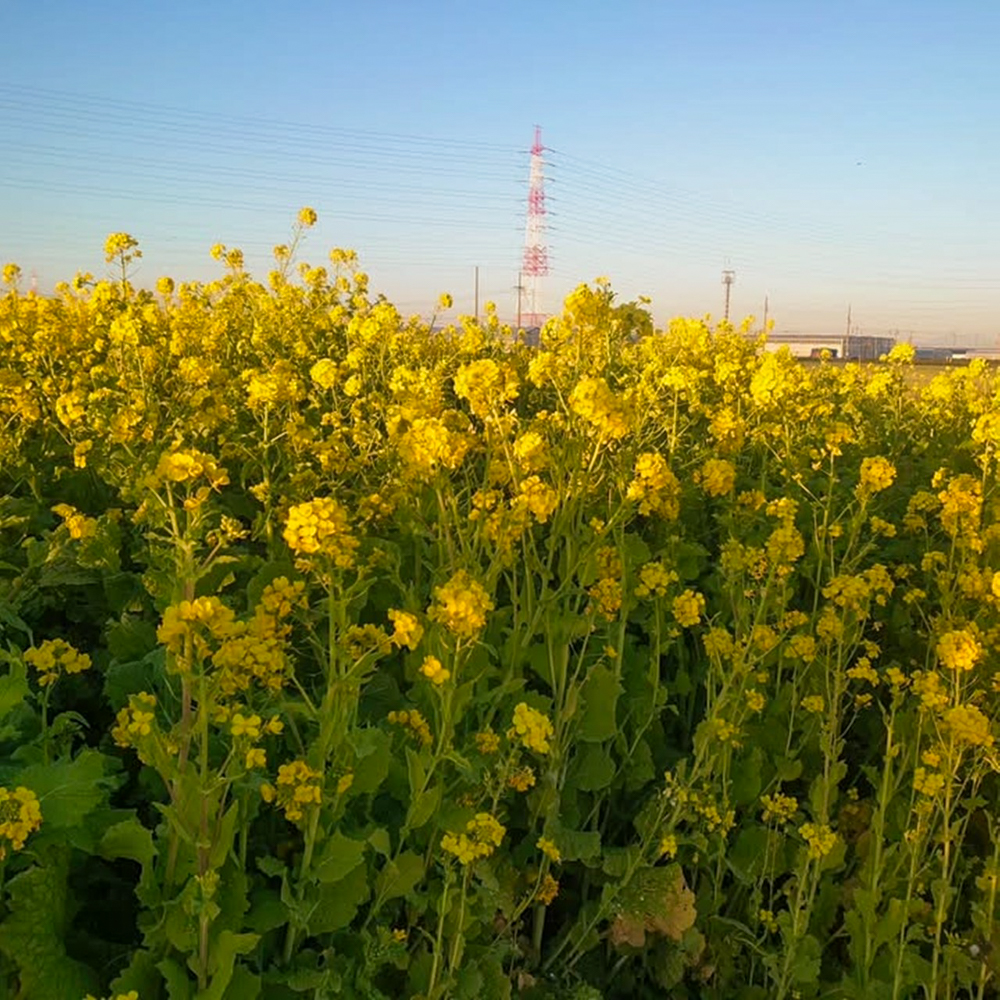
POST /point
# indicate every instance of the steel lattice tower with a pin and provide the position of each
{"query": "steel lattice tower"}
(536, 254)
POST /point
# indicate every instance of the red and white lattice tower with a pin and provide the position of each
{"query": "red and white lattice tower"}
(536, 254)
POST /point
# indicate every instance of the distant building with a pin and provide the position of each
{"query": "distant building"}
(844, 347)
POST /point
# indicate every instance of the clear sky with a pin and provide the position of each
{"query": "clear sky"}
(830, 153)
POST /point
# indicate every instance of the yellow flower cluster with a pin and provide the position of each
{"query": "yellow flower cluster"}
(188, 466)
(54, 657)
(298, 787)
(593, 400)
(533, 728)
(717, 477)
(196, 622)
(79, 526)
(537, 497)
(407, 630)
(688, 608)
(778, 808)
(487, 385)
(522, 779)
(136, 721)
(434, 670)
(482, 836)
(959, 650)
(654, 487)
(20, 816)
(820, 839)
(968, 725)
(654, 580)
(877, 474)
(461, 605)
(412, 719)
(320, 527)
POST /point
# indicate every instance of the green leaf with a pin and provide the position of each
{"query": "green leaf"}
(141, 975)
(336, 904)
(13, 687)
(399, 877)
(243, 986)
(130, 839)
(379, 839)
(747, 777)
(578, 845)
(425, 806)
(372, 754)
(222, 961)
(593, 769)
(339, 857)
(266, 911)
(746, 856)
(33, 933)
(600, 699)
(179, 986)
(68, 790)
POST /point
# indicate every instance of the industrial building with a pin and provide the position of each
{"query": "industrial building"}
(844, 347)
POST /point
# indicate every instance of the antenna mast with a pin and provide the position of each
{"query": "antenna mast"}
(536, 254)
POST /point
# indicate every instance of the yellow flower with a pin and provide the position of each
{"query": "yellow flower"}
(967, 724)
(483, 834)
(688, 608)
(820, 839)
(547, 891)
(522, 779)
(307, 217)
(549, 849)
(241, 726)
(487, 742)
(959, 650)
(655, 487)
(533, 728)
(927, 782)
(668, 846)
(461, 605)
(321, 527)
(20, 816)
(407, 630)
(434, 671)
(54, 657)
(256, 757)
(717, 476)
(778, 808)
(813, 703)
(877, 473)
(345, 782)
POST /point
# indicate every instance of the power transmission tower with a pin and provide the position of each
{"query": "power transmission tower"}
(728, 277)
(536, 254)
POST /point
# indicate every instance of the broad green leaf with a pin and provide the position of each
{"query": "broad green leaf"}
(372, 754)
(13, 687)
(222, 960)
(33, 934)
(399, 877)
(593, 768)
(338, 902)
(340, 856)
(600, 699)
(68, 790)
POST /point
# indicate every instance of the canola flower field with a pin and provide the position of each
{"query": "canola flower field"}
(346, 658)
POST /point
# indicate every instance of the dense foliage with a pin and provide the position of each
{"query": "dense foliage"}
(343, 656)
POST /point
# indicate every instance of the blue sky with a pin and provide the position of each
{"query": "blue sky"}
(831, 153)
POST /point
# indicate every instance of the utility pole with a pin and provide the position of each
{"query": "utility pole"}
(519, 288)
(728, 277)
(477, 293)
(848, 319)
(765, 314)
